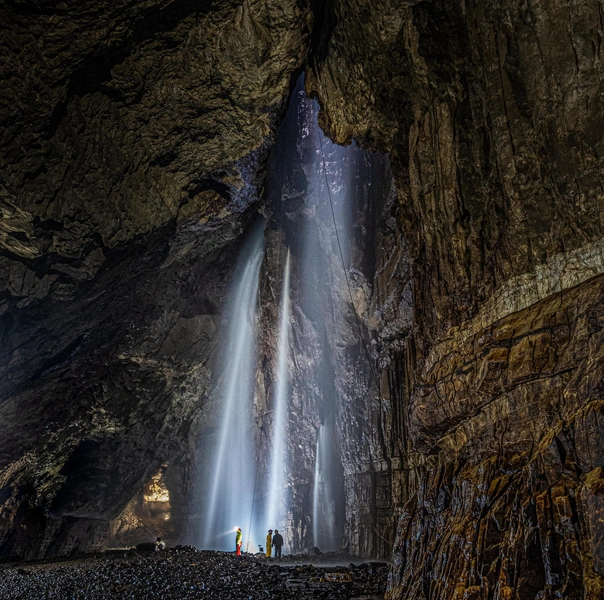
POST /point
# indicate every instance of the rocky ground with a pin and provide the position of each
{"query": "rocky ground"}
(188, 573)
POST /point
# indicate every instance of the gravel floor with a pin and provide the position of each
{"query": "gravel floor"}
(187, 573)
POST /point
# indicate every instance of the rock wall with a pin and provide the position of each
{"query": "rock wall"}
(491, 112)
(131, 152)
(509, 507)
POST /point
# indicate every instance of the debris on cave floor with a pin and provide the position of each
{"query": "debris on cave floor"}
(335, 558)
(185, 572)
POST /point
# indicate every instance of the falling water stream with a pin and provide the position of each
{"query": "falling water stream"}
(325, 258)
(311, 185)
(275, 508)
(325, 534)
(230, 462)
(302, 162)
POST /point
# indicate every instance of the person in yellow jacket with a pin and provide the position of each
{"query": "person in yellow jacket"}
(269, 543)
(238, 541)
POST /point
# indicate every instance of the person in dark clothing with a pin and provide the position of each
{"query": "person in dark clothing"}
(277, 543)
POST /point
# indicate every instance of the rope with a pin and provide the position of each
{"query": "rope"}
(380, 535)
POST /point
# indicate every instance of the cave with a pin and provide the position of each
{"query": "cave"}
(333, 266)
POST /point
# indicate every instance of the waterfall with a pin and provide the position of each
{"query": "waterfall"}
(325, 534)
(316, 492)
(315, 189)
(275, 508)
(230, 461)
(332, 175)
(312, 185)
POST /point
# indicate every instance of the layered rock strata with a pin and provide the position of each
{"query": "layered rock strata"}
(491, 113)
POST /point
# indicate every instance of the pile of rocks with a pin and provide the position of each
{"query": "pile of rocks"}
(185, 572)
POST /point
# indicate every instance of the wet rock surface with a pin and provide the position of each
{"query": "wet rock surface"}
(188, 573)
(524, 518)
(485, 395)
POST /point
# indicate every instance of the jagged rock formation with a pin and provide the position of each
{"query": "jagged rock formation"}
(491, 113)
(133, 145)
(130, 154)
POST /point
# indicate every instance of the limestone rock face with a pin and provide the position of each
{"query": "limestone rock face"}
(511, 499)
(491, 113)
(484, 108)
(132, 141)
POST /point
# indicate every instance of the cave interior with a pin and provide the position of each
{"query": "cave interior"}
(331, 266)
